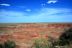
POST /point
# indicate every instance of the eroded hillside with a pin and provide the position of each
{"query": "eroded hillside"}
(23, 34)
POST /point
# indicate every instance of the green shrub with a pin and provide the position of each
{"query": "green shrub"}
(9, 44)
(66, 37)
(43, 43)
(1, 45)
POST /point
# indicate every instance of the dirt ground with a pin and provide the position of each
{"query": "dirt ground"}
(23, 34)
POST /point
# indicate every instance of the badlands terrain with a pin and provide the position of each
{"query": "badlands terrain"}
(24, 33)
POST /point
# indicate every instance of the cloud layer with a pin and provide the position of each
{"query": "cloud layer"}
(42, 15)
(4, 4)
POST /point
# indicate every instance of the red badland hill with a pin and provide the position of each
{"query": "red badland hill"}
(23, 34)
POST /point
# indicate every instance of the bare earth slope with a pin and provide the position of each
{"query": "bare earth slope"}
(24, 33)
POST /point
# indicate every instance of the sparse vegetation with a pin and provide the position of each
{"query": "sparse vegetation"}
(26, 32)
(43, 43)
(8, 44)
(64, 41)
(66, 37)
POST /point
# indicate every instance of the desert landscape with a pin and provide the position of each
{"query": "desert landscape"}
(24, 34)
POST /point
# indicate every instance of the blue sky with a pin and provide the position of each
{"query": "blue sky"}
(22, 11)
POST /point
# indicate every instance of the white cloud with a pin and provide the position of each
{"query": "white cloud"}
(7, 13)
(42, 15)
(52, 15)
(28, 10)
(52, 1)
(4, 4)
(53, 11)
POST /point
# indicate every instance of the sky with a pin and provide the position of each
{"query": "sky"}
(27, 11)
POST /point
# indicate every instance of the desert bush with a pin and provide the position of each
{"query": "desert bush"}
(43, 43)
(1, 45)
(65, 40)
(66, 37)
(8, 44)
